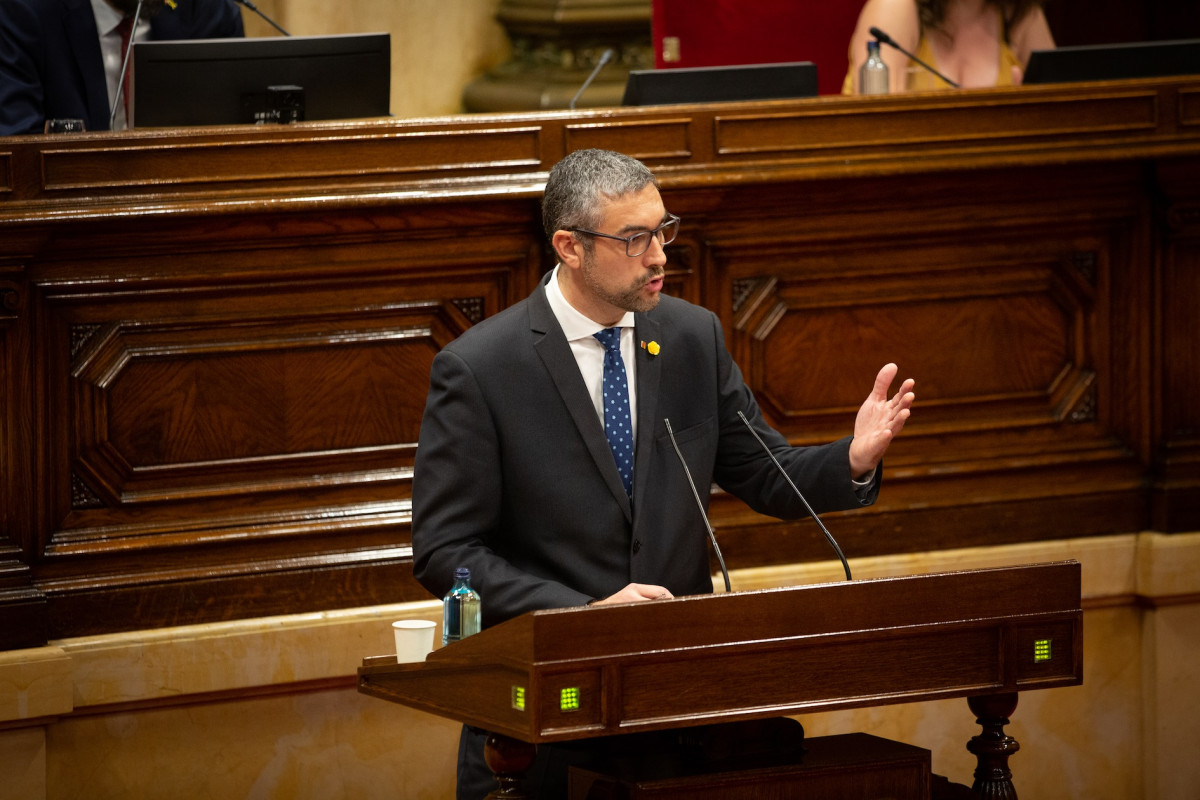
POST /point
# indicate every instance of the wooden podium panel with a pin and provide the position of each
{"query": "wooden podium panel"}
(569, 674)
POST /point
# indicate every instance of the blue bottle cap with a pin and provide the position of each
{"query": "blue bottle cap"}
(462, 574)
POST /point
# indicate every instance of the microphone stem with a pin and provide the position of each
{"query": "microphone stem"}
(604, 59)
(112, 115)
(250, 5)
(891, 43)
(712, 537)
(828, 536)
(931, 69)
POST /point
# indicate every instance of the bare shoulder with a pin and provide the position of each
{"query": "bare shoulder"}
(1031, 33)
(898, 18)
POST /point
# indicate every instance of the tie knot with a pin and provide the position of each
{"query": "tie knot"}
(610, 338)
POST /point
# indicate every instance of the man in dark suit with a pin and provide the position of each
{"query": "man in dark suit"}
(51, 62)
(515, 477)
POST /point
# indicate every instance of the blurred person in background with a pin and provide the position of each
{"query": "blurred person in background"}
(61, 59)
(976, 43)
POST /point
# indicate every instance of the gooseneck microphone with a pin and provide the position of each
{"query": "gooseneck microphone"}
(248, 4)
(112, 115)
(890, 42)
(712, 537)
(788, 478)
(605, 57)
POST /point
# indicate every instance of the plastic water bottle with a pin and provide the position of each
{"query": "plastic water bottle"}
(460, 608)
(873, 74)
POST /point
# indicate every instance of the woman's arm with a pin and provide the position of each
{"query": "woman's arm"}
(1031, 33)
(899, 20)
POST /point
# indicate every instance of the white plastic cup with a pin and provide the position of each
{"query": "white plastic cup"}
(414, 639)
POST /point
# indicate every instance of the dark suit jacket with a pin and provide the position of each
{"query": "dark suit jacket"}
(50, 62)
(515, 480)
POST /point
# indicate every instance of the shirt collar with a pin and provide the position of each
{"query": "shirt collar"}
(107, 17)
(574, 324)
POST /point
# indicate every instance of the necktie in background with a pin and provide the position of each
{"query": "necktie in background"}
(618, 425)
(125, 28)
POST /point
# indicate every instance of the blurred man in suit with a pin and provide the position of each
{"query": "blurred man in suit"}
(61, 59)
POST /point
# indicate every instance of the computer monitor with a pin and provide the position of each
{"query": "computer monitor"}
(1107, 62)
(653, 87)
(275, 79)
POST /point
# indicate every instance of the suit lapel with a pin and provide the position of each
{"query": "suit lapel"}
(550, 343)
(649, 376)
(79, 25)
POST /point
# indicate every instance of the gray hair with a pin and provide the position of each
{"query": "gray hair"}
(578, 182)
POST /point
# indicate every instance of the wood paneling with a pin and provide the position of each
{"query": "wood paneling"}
(215, 342)
(1175, 374)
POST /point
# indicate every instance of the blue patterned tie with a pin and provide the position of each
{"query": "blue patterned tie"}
(618, 426)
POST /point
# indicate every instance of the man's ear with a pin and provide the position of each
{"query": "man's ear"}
(568, 249)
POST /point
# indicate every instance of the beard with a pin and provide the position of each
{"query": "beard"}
(630, 299)
(129, 7)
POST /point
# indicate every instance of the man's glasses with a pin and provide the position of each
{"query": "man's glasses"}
(639, 243)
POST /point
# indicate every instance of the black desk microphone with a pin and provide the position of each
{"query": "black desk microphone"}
(890, 42)
(250, 5)
(712, 537)
(828, 536)
(112, 116)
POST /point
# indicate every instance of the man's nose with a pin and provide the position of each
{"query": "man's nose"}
(656, 253)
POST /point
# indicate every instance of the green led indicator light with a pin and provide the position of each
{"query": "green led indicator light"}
(518, 698)
(1041, 650)
(569, 699)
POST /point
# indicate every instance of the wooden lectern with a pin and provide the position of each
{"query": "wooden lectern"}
(569, 674)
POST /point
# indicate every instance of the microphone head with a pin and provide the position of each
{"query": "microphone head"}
(880, 35)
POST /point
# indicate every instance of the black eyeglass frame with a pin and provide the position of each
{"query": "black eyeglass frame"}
(650, 235)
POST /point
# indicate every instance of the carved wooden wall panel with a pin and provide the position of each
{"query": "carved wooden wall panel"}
(22, 605)
(233, 417)
(215, 344)
(1004, 303)
(1177, 350)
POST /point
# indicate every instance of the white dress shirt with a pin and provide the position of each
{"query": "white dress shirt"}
(589, 353)
(107, 19)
